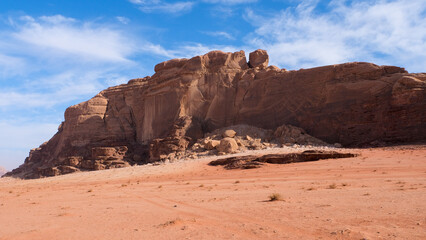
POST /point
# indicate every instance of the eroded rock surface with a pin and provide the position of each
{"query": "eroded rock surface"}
(352, 104)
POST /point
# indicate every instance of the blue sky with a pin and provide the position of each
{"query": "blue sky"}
(56, 53)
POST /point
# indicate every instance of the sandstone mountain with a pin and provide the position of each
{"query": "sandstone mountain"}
(354, 104)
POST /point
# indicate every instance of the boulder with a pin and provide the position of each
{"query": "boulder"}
(229, 133)
(211, 144)
(98, 166)
(256, 144)
(287, 134)
(109, 152)
(259, 59)
(227, 145)
(337, 145)
(68, 169)
(74, 161)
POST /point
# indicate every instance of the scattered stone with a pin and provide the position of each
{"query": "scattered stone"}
(227, 145)
(68, 169)
(99, 166)
(290, 134)
(229, 133)
(74, 161)
(337, 145)
(211, 144)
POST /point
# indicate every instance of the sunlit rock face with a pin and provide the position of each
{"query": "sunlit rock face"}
(352, 103)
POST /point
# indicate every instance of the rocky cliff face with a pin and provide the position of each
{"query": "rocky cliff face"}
(353, 104)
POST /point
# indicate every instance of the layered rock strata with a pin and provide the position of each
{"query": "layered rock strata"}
(353, 104)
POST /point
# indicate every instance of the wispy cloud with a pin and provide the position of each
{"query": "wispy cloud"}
(153, 6)
(56, 35)
(190, 50)
(123, 20)
(230, 2)
(220, 34)
(137, 1)
(46, 92)
(385, 32)
(10, 65)
(60, 59)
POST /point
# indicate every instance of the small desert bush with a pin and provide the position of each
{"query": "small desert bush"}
(275, 197)
(332, 186)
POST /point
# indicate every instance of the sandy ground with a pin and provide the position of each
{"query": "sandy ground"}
(379, 195)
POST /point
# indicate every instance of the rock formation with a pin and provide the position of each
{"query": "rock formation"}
(353, 104)
(255, 161)
(237, 138)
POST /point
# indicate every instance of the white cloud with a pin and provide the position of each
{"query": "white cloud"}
(220, 34)
(123, 20)
(191, 50)
(11, 66)
(64, 87)
(230, 2)
(385, 32)
(149, 6)
(55, 19)
(61, 61)
(54, 60)
(157, 50)
(56, 35)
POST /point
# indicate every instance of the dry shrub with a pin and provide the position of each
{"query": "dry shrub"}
(275, 197)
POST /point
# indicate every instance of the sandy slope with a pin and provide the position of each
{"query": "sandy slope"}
(379, 195)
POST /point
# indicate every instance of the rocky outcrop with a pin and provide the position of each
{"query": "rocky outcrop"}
(287, 134)
(352, 104)
(240, 138)
(258, 59)
(255, 161)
